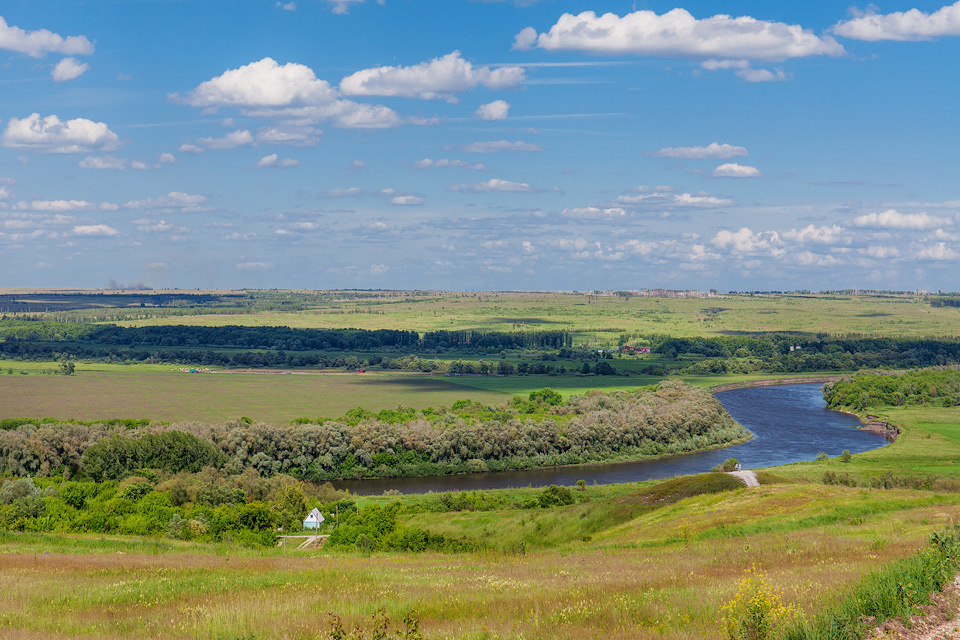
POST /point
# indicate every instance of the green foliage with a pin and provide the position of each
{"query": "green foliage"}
(730, 464)
(924, 388)
(171, 451)
(846, 456)
(554, 496)
(547, 396)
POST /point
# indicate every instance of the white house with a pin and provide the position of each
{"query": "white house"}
(313, 520)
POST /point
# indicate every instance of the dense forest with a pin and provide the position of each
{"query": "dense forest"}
(940, 388)
(541, 430)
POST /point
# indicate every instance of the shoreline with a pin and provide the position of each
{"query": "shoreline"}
(772, 382)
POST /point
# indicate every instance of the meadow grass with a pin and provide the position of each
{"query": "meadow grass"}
(642, 577)
(594, 316)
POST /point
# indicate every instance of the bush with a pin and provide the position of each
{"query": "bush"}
(822, 456)
(554, 496)
(757, 611)
(727, 465)
(846, 456)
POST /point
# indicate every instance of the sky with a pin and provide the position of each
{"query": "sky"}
(480, 145)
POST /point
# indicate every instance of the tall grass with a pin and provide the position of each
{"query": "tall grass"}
(892, 592)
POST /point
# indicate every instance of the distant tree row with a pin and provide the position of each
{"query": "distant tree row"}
(926, 388)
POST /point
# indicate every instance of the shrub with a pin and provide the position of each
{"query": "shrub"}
(727, 465)
(554, 496)
(757, 611)
(822, 456)
(846, 456)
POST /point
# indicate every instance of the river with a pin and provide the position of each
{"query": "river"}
(790, 423)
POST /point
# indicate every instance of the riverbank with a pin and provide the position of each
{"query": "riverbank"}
(774, 382)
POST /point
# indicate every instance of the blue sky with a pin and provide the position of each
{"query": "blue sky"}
(468, 144)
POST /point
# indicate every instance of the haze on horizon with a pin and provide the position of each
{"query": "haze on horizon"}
(479, 144)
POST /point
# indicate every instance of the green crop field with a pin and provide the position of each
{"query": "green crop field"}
(596, 318)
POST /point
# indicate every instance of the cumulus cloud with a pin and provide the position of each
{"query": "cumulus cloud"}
(94, 230)
(497, 146)
(68, 69)
(38, 43)
(167, 158)
(5, 192)
(678, 34)
(818, 235)
(938, 251)
(264, 83)
(746, 241)
(443, 163)
(102, 162)
(287, 6)
(64, 205)
(173, 200)
(496, 110)
(52, 135)
(496, 184)
(407, 201)
(232, 140)
(290, 92)
(658, 199)
(734, 170)
(712, 150)
(438, 79)
(745, 70)
(902, 25)
(274, 160)
(893, 219)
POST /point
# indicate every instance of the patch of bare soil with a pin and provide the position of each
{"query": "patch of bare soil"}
(938, 621)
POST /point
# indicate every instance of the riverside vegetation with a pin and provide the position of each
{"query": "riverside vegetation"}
(176, 540)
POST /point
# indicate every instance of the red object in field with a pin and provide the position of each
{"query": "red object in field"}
(361, 370)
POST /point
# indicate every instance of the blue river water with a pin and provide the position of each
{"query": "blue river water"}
(790, 423)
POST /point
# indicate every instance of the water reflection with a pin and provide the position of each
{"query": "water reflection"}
(790, 423)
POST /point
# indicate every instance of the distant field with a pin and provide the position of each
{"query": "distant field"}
(162, 392)
(604, 316)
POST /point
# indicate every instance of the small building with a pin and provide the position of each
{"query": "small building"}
(313, 520)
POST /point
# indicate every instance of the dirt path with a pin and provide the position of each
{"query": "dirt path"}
(748, 478)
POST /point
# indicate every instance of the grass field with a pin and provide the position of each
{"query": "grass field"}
(589, 315)
(662, 575)
(163, 392)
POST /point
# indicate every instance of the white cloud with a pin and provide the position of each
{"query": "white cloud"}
(443, 163)
(51, 135)
(495, 184)
(187, 147)
(893, 219)
(745, 241)
(232, 140)
(149, 226)
(273, 160)
(351, 192)
(289, 92)
(291, 134)
(734, 170)
(438, 79)
(678, 34)
(594, 212)
(64, 205)
(902, 25)
(712, 150)
(764, 75)
(938, 251)
(496, 110)
(342, 7)
(68, 69)
(880, 253)
(102, 162)
(253, 266)
(500, 145)
(5, 193)
(287, 6)
(264, 83)
(818, 235)
(407, 201)
(357, 165)
(94, 230)
(659, 199)
(38, 43)
(167, 158)
(174, 199)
